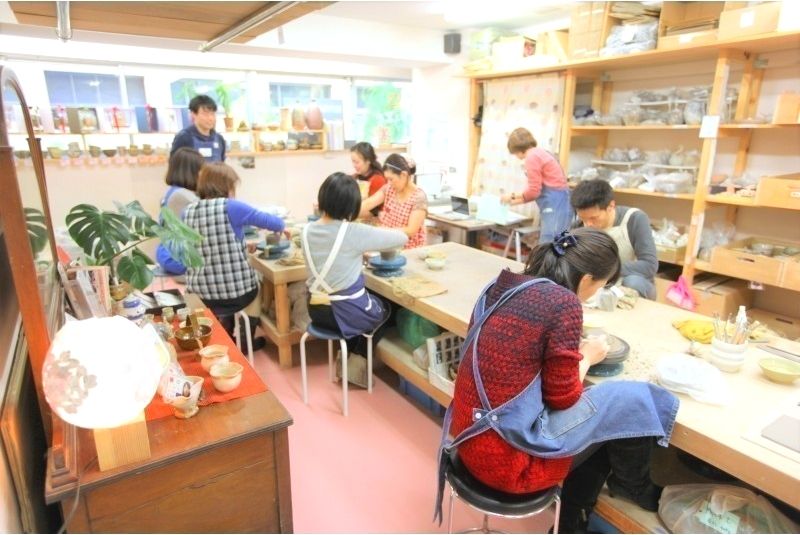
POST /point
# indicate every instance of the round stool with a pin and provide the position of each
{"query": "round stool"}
(330, 336)
(493, 502)
(516, 235)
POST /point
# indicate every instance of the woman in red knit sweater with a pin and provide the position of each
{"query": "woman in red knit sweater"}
(528, 422)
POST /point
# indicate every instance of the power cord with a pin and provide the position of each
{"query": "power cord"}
(68, 519)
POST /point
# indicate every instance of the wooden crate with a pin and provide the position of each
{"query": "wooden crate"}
(677, 19)
(781, 191)
(787, 109)
(589, 26)
(748, 266)
(791, 275)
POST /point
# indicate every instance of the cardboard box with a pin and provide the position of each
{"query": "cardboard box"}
(687, 39)
(664, 279)
(781, 191)
(589, 26)
(762, 18)
(716, 294)
(513, 48)
(786, 326)
(787, 109)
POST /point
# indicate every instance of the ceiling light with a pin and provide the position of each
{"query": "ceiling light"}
(251, 22)
(63, 28)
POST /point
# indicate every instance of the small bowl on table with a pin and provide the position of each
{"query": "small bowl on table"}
(780, 370)
(227, 376)
(212, 355)
(202, 321)
(435, 263)
(193, 338)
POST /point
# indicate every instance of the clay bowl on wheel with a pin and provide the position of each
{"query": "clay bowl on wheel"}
(189, 340)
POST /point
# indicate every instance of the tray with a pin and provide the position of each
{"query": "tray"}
(170, 298)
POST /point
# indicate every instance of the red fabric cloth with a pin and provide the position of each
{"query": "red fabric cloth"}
(538, 329)
(376, 182)
(542, 168)
(396, 213)
(190, 363)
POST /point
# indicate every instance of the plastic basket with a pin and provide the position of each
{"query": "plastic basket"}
(443, 350)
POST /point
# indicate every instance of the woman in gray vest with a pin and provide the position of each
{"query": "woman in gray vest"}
(226, 283)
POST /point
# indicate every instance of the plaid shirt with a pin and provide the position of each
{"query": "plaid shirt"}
(396, 213)
(225, 274)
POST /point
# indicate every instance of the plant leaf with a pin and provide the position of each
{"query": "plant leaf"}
(180, 240)
(37, 230)
(134, 270)
(138, 252)
(140, 221)
(99, 233)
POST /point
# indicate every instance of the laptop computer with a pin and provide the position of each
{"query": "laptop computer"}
(460, 209)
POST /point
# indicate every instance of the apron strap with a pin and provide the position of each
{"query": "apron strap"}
(319, 277)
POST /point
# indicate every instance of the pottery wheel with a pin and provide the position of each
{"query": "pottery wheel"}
(612, 365)
(387, 273)
(395, 263)
(282, 246)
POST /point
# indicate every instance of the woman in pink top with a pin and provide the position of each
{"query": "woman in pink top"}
(547, 185)
(404, 204)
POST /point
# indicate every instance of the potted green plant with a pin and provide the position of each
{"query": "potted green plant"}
(224, 99)
(113, 238)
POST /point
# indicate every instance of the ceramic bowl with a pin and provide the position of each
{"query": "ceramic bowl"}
(110, 153)
(435, 263)
(22, 154)
(213, 354)
(780, 370)
(202, 321)
(227, 376)
(388, 255)
(186, 339)
(54, 152)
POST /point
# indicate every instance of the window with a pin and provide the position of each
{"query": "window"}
(82, 89)
(282, 95)
(134, 85)
(382, 112)
(185, 88)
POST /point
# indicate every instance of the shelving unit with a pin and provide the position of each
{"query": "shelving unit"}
(741, 51)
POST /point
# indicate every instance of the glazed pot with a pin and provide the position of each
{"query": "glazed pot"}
(313, 116)
(298, 119)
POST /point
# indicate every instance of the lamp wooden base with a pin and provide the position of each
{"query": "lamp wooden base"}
(122, 445)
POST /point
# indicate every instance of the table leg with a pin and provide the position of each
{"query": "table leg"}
(283, 323)
(267, 294)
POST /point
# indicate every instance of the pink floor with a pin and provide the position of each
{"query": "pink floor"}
(374, 471)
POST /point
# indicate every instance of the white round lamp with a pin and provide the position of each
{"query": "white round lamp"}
(100, 373)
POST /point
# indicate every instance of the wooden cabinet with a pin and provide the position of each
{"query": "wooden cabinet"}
(224, 471)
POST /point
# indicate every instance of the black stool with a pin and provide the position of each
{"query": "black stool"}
(494, 502)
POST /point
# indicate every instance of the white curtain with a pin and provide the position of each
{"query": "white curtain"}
(532, 102)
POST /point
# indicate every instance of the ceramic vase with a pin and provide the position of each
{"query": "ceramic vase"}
(286, 119)
(314, 116)
(298, 119)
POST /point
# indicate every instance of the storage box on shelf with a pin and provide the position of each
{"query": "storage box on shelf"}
(589, 27)
(787, 109)
(736, 260)
(781, 191)
(688, 23)
(761, 18)
(786, 326)
(720, 295)
(444, 353)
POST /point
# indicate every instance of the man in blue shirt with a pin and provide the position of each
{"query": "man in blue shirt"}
(201, 136)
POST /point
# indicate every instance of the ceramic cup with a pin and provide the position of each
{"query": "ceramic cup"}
(727, 357)
(213, 354)
(227, 376)
(186, 406)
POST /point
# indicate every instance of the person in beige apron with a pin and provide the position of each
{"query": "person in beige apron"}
(593, 201)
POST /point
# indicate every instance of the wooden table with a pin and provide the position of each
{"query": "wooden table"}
(225, 470)
(276, 279)
(463, 231)
(712, 433)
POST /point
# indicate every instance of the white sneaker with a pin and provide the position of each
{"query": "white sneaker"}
(356, 369)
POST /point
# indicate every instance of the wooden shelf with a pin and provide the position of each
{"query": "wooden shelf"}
(757, 44)
(702, 265)
(635, 191)
(735, 200)
(590, 129)
(662, 258)
(396, 354)
(764, 126)
(275, 152)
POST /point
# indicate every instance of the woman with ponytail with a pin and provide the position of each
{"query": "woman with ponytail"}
(528, 423)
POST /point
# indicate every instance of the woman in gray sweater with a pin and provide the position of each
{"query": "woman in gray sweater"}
(334, 247)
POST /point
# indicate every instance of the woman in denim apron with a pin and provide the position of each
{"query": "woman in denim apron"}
(547, 185)
(520, 418)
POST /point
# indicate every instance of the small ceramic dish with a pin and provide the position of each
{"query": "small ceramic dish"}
(212, 355)
(780, 370)
(226, 377)
(188, 340)
(435, 263)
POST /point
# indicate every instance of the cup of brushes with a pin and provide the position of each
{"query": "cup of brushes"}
(729, 345)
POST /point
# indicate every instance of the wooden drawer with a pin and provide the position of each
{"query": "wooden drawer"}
(791, 275)
(672, 255)
(782, 191)
(748, 266)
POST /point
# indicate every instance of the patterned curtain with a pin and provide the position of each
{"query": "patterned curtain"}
(532, 102)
